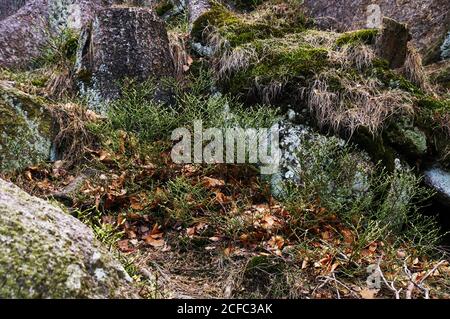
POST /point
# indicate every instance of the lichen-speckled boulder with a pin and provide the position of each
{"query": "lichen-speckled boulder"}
(46, 253)
(122, 43)
(25, 129)
(25, 33)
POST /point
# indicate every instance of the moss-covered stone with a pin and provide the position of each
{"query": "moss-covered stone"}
(366, 36)
(163, 7)
(408, 139)
(282, 61)
(25, 129)
(239, 29)
(45, 253)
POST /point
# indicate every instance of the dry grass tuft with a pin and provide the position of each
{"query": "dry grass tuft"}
(180, 53)
(232, 61)
(61, 83)
(353, 56)
(357, 103)
(414, 70)
(72, 138)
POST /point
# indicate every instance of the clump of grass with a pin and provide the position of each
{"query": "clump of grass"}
(414, 70)
(377, 204)
(73, 136)
(137, 112)
(58, 55)
(347, 103)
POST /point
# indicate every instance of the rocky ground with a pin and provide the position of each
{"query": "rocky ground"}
(90, 92)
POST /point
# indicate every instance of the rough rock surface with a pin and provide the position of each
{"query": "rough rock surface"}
(122, 43)
(197, 8)
(428, 20)
(46, 253)
(8, 7)
(392, 44)
(25, 129)
(439, 180)
(24, 33)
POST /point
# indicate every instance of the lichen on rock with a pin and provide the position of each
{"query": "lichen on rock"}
(46, 253)
(25, 129)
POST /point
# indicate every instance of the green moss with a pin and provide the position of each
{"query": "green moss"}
(281, 64)
(375, 147)
(408, 139)
(163, 7)
(366, 36)
(434, 104)
(392, 79)
(247, 5)
(238, 29)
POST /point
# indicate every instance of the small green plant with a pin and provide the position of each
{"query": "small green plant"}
(107, 233)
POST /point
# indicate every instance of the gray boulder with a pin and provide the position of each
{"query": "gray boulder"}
(196, 8)
(28, 31)
(123, 42)
(46, 253)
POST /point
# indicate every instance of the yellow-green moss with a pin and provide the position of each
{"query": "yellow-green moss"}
(366, 36)
(238, 29)
(163, 7)
(280, 65)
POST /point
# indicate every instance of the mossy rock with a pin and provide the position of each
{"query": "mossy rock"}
(46, 253)
(284, 61)
(239, 29)
(25, 129)
(163, 7)
(366, 36)
(407, 139)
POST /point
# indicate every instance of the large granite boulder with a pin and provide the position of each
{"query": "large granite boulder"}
(428, 20)
(123, 42)
(25, 129)
(46, 253)
(26, 32)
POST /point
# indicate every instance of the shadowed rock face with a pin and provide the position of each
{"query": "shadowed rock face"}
(122, 43)
(9, 7)
(428, 20)
(24, 33)
(392, 43)
(46, 253)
